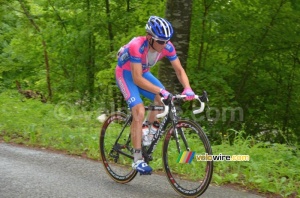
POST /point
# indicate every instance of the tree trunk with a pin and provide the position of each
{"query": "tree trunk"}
(109, 25)
(206, 6)
(178, 13)
(91, 55)
(116, 93)
(30, 18)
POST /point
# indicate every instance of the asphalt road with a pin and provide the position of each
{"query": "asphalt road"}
(27, 172)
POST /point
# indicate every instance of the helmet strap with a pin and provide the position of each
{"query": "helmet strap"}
(151, 43)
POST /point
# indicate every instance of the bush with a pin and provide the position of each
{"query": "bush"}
(273, 168)
(62, 126)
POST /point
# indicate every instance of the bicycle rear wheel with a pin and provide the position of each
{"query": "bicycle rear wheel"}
(187, 174)
(115, 148)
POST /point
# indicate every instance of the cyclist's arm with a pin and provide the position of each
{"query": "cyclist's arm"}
(139, 80)
(180, 73)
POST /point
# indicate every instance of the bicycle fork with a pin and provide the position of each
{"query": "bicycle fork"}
(176, 132)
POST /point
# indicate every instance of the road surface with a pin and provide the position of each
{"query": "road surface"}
(28, 172)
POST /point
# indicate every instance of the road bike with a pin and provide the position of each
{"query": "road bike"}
(184, 144)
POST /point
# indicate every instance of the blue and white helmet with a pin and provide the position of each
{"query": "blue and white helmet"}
(159, 28)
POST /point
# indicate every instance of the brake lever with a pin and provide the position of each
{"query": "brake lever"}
(204, 97)
(166, 103)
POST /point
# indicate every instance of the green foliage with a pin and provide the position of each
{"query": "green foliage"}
(273, 167)
(244, 53)
(34, 123)
(248, 58)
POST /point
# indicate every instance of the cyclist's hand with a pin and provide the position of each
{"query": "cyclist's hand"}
(164, 93)
(190, 95)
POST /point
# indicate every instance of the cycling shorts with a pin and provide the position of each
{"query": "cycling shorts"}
(131, 91)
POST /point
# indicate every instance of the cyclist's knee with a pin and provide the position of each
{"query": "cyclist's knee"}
(138, 112)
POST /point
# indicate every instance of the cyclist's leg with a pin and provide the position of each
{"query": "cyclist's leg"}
(152, 114)
(132, 96)
(152, 96)
(138, 114)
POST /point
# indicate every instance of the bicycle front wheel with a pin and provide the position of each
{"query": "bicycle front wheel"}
(115, 148)
(187, 172)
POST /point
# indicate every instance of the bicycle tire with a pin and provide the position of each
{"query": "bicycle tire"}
(188, 176)
(117, 165)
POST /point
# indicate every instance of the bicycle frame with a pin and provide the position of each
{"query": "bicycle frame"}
(170, 115)
(116, 145)
(160, 132)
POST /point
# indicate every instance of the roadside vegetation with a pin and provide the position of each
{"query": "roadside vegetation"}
(273, 168)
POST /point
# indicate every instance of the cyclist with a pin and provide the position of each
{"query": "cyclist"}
(133, 77)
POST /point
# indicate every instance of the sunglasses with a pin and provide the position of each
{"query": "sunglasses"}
(161, 42)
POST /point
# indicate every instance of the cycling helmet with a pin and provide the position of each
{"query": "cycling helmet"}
(159, 28)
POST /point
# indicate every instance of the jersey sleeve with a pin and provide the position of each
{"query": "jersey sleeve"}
(170, 51)
(135, 51)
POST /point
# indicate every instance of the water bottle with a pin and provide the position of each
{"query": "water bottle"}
(145, 135)
(153, 129)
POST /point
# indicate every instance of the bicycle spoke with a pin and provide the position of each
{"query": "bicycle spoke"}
(116, 152)
(187, 176)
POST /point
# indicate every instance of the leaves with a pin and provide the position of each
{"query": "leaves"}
(244, 53)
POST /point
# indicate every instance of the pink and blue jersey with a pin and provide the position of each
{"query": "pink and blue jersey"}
(136, 51)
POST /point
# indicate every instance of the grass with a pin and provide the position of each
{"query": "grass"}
(46, 125)
(273, 168)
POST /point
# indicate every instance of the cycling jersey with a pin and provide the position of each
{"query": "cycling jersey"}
(136, 51)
